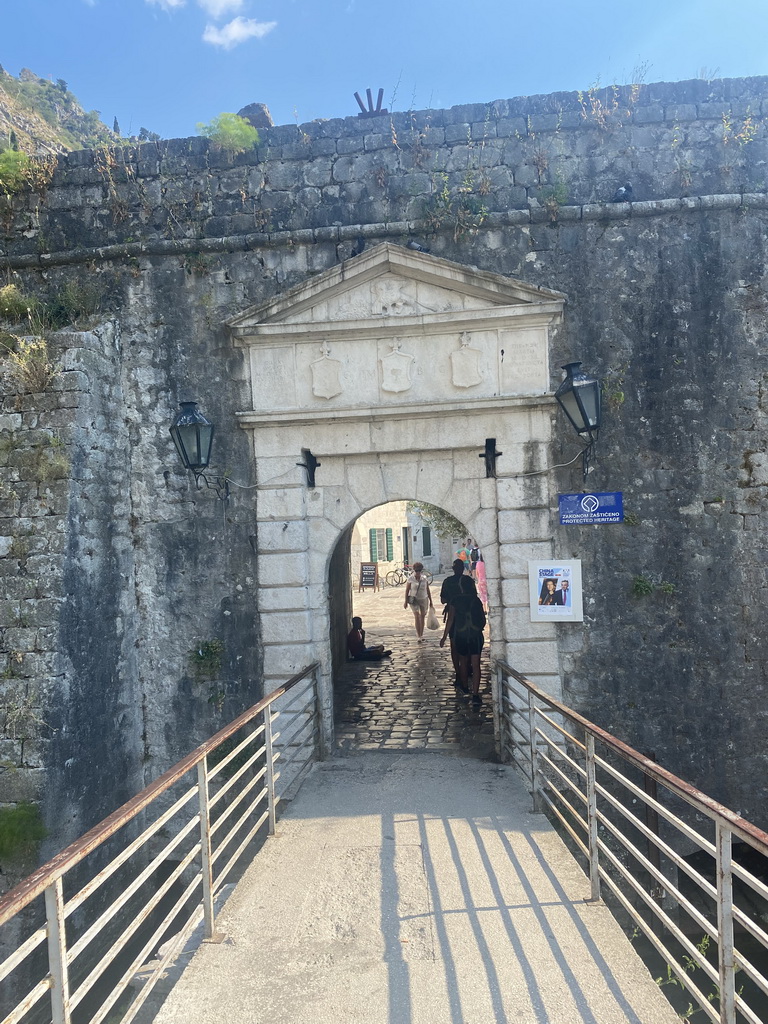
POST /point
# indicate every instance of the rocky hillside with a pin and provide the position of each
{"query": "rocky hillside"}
(38, 116)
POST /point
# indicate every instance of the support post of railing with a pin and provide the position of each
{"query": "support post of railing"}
(205, 846)
(57, 953)
(726, 957)
(594, 863)
(499, 718)
(270, 768)
(322, 746)
(534, 751)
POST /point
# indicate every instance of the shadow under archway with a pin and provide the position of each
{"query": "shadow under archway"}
(407, 701)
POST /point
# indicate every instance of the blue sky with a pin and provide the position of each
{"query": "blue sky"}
(167, 64)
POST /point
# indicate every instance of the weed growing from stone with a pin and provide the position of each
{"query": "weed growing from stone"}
(21, 829)
(15, 306)
(552, 197)
(206, 658)
(18, 171)
(461, 210)
(74, 303)
(642, 586)
(740, 134)
(604, 108)
(21, 719)
(198, 263)
(29, 368)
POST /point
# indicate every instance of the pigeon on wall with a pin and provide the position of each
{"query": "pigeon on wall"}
(623, 194)
(416, 246)
(359, 245)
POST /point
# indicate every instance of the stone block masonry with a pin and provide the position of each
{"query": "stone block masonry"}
(117, 571)
(515, 161)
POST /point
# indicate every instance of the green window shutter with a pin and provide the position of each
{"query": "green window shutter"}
(372, 545)
(390, 547)
(426, 541)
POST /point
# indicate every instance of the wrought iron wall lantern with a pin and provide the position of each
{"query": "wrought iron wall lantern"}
(580, 399)
(192, 434)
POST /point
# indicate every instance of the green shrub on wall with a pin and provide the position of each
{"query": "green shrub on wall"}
(14, 167)
(230, 131)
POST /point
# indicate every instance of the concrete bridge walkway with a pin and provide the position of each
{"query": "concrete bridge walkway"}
(415, 888)
(409, 883)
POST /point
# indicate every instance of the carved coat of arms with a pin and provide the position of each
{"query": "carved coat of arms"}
(465, 365)
(397, 370)
(326, 375)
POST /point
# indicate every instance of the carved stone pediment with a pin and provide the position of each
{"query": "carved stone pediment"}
(404, 327)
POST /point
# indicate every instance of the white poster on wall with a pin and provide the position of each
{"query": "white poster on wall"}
(555, 591)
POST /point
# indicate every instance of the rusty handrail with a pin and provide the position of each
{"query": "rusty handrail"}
(641, 868)
(36, 883)
(740, 826)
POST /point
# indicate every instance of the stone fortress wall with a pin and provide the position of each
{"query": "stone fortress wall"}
(119, 575)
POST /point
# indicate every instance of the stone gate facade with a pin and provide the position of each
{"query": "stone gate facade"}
(393, 370)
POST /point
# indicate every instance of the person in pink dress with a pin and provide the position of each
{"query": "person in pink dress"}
(482, 589)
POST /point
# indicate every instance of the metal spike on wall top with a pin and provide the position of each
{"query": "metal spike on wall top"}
(371, 111)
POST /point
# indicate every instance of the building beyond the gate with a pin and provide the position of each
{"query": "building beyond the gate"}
(140, 612)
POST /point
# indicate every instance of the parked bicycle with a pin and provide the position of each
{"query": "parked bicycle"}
(397, 577)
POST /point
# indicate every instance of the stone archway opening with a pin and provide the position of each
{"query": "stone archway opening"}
(407, 700)
(390, 536)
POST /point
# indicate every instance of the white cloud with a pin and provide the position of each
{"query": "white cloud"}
(236, 32)
(167, 5)
(218, 8)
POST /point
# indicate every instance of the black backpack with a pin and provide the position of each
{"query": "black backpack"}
(468, 615)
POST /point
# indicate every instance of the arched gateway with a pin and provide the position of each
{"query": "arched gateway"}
(393, 370)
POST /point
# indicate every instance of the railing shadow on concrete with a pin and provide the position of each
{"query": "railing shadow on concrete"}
(86, 922)
(560, 955)
(667, 857)
(466, 885)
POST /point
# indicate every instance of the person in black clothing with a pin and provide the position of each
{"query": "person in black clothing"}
(465, 624)
(452, 587)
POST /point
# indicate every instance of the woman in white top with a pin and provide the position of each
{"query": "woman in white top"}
(417, 595)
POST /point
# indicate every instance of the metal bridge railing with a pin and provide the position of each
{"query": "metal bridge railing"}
(87, 921)
(701, 910)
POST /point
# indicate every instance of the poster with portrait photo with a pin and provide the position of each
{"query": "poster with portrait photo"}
(555, 591)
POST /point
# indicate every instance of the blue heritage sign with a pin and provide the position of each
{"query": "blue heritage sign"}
(587, 509)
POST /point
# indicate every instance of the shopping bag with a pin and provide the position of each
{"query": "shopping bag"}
(432, 622)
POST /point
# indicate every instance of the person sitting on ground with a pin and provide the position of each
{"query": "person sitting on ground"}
(356, 644)
(465, 625)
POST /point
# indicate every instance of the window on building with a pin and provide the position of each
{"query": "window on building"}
(380, 544)
(426, 541)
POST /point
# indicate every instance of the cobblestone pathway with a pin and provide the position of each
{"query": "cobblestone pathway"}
(408, 701)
